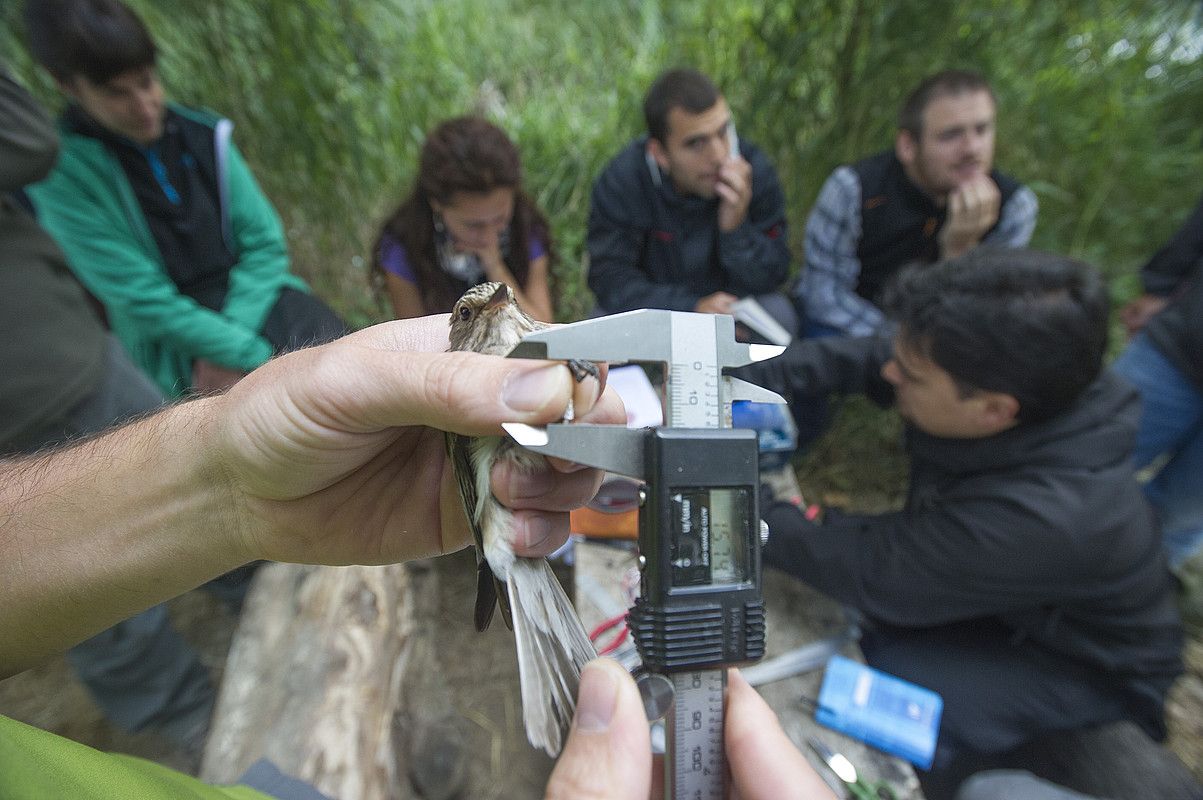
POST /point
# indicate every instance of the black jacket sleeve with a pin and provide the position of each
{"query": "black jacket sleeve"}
(28, 142)
(755, 256)
(831, 365)
(1178, 260)
(977, 554)
(614, 277)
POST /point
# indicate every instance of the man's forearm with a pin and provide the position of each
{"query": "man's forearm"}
(96, 532)
(818, 367)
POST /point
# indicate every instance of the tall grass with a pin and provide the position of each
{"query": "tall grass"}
(1099, 101)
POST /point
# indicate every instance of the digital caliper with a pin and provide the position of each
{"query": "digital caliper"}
(700, 607)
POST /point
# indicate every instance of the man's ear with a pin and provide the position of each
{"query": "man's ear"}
(906, 147)
(999, 411)
(656, 150)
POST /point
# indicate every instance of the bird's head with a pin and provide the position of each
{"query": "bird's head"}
(487, 319)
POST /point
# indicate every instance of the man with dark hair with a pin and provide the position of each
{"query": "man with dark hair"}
(1023, 580)
(688, 217)
(1164, 361)
(935, 195)
(158, 213)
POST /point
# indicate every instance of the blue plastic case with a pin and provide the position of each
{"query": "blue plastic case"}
(884, 711)
(776, 433)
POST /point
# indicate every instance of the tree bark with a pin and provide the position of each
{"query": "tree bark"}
(334, 678)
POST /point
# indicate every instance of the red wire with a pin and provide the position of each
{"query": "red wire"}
(604, 626)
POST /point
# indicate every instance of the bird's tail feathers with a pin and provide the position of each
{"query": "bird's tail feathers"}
(552, 648)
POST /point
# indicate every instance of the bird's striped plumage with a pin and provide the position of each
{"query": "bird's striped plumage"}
(552, 645)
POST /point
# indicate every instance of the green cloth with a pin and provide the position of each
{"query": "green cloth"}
(87, 203)
(36, 765)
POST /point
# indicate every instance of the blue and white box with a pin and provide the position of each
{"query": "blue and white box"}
(881, 710)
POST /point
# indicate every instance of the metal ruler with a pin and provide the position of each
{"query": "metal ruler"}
(695, 764)
(694, 498)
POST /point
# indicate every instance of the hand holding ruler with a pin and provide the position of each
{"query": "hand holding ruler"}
(700, 608)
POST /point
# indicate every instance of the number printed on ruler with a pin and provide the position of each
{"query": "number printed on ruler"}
(699, 772)
(694, 400)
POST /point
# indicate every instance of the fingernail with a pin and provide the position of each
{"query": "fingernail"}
(535, 531)
(529, 390)
(530, 484)
(598, 696)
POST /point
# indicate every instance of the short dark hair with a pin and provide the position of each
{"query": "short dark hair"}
(676, 88)
(98, 39)
(942, 84)
(1029, 324)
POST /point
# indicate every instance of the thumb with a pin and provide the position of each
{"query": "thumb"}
(608, 755)
(764, 763)
(399, 373)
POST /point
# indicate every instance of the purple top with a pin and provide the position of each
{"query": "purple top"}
(395, 260)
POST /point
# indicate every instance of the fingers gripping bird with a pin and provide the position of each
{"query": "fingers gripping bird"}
(552, 645)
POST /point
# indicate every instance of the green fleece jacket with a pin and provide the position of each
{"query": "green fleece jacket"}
(35, 765)
(87, 203)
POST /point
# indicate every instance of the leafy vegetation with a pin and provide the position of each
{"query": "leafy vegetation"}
(1100, 104)
(1099, 101)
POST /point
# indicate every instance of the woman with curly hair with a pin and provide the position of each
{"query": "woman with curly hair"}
(466, 221)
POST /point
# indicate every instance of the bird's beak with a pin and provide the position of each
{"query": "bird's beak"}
(499, 298)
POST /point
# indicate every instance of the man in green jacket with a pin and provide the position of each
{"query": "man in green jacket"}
(158, 212)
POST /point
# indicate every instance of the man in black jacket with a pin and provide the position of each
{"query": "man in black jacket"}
(688, 217)
(1164, 361)
(1024, 579)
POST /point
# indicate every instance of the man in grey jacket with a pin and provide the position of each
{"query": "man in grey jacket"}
(65, 376)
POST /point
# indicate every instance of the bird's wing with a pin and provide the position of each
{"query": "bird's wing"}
(458, 449)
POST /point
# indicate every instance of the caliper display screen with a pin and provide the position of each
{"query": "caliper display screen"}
(711, 532)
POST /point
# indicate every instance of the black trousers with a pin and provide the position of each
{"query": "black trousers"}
(999, 694)
(298, 319)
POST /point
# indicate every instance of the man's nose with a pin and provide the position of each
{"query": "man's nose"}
(976, 143)
(146, 104)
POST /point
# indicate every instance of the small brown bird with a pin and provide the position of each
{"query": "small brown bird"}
(552, 645)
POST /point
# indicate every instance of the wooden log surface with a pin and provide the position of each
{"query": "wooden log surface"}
(370, 682)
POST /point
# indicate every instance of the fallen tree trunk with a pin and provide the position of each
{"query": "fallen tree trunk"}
(332, 673)
(370, 682)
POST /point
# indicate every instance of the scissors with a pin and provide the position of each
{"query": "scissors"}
(843, 769)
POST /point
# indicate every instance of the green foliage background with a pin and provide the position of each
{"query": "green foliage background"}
(1101, 101)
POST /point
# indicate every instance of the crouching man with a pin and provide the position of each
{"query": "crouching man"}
(1024, 578)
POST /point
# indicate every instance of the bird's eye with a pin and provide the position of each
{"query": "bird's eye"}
(465, 313)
